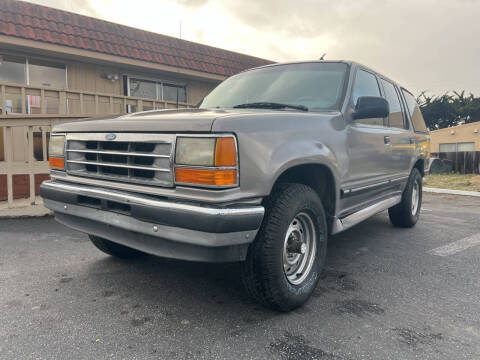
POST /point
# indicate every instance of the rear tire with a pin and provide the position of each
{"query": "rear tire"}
(114, 249)
(406, 213)
(284, 262)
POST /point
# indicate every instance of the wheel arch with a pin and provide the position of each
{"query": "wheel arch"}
(420, 165)
(317, 176)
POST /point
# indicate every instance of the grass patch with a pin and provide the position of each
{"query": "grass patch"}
(467, 182)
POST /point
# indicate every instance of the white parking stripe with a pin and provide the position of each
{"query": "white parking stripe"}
(457, 246)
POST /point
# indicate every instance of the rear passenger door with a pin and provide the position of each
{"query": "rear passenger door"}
(419, 135)
(402, 145)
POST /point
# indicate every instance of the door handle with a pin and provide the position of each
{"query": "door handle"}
(386, 140)
(412, 141)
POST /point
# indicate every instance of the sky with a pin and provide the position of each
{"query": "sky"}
(426, 45)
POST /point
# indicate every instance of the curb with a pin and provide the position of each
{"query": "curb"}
(451, 192)
(24, 212)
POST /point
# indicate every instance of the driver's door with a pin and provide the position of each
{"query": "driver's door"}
(369, 148)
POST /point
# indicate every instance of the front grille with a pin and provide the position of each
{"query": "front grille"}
(130, 157)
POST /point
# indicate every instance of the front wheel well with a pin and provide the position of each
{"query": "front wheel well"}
(319, 178)
(420, 165)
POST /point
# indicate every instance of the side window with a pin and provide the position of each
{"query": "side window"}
(395, 119)
(415, 113)
(366, 84)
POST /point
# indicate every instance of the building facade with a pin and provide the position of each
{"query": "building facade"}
(461, 138)
(58, 66)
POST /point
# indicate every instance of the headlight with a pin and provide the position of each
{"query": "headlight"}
(56, 147)
(206, 161)
(195, 151)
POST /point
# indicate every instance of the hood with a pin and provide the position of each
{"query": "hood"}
(183, 120)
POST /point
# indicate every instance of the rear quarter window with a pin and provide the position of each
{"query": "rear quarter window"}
(414, 112)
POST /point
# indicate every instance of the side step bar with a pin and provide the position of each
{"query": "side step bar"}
(355, 218)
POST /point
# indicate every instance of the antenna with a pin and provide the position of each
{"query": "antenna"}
(180, 29)
(323, 56)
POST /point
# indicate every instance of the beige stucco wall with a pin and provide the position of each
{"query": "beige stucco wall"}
(456, 134)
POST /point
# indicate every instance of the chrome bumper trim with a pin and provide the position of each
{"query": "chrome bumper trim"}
(127, 198)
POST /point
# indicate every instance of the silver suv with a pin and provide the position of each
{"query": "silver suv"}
(273, 161)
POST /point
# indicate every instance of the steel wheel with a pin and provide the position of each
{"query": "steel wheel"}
(299, 249)
(415, 197)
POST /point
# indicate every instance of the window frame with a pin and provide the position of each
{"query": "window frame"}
(403, 91)
(380, 90)
(400, 101)
(158, 86)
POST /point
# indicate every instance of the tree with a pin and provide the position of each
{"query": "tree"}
(446, 110)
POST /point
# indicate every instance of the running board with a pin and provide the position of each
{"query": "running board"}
(355, 218)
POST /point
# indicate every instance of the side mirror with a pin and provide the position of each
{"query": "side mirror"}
(369, 107)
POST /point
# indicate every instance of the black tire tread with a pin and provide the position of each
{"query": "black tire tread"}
(254, 277)
(400, 215)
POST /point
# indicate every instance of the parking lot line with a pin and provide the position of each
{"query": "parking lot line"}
(456, 246)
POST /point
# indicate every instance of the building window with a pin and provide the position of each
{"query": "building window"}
(157, 90)
(31, 71)
(466, 146)
(143, 89)
(174, 92)
(447, 147)
(34, 72)
(47, 74)
(456, 147)
(12, 69)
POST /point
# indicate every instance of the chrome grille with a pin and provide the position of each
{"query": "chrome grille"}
(130, 157)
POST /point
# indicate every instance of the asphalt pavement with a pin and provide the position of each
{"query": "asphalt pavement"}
(386, 293)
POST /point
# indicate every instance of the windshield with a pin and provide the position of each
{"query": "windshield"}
(315, 86)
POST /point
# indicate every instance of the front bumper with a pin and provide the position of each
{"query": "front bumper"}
(157, 226)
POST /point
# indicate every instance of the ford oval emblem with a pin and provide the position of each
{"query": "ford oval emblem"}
(110, 137)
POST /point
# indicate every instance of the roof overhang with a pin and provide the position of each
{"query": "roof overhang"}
(66, 52)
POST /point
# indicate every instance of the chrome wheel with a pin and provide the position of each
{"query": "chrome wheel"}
(415, 197)
(299, 249)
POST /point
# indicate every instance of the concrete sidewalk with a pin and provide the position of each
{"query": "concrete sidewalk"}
(23, 208)
(451, 192)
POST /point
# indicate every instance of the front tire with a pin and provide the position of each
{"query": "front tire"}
(406, 213)
(284, 262)
(114, 249)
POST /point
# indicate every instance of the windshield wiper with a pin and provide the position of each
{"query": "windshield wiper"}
(270, 105)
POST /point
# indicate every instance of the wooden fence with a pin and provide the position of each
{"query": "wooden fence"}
(462, 162)
(33, 100)
(27, 115)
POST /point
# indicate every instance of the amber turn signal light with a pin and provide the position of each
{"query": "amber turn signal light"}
(56, 162)
(225, 152)
(210, 177)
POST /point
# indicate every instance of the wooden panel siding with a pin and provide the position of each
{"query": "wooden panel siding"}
(87, 77)
(83, 77)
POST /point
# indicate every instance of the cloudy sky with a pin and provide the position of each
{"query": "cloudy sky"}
(431, 45)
